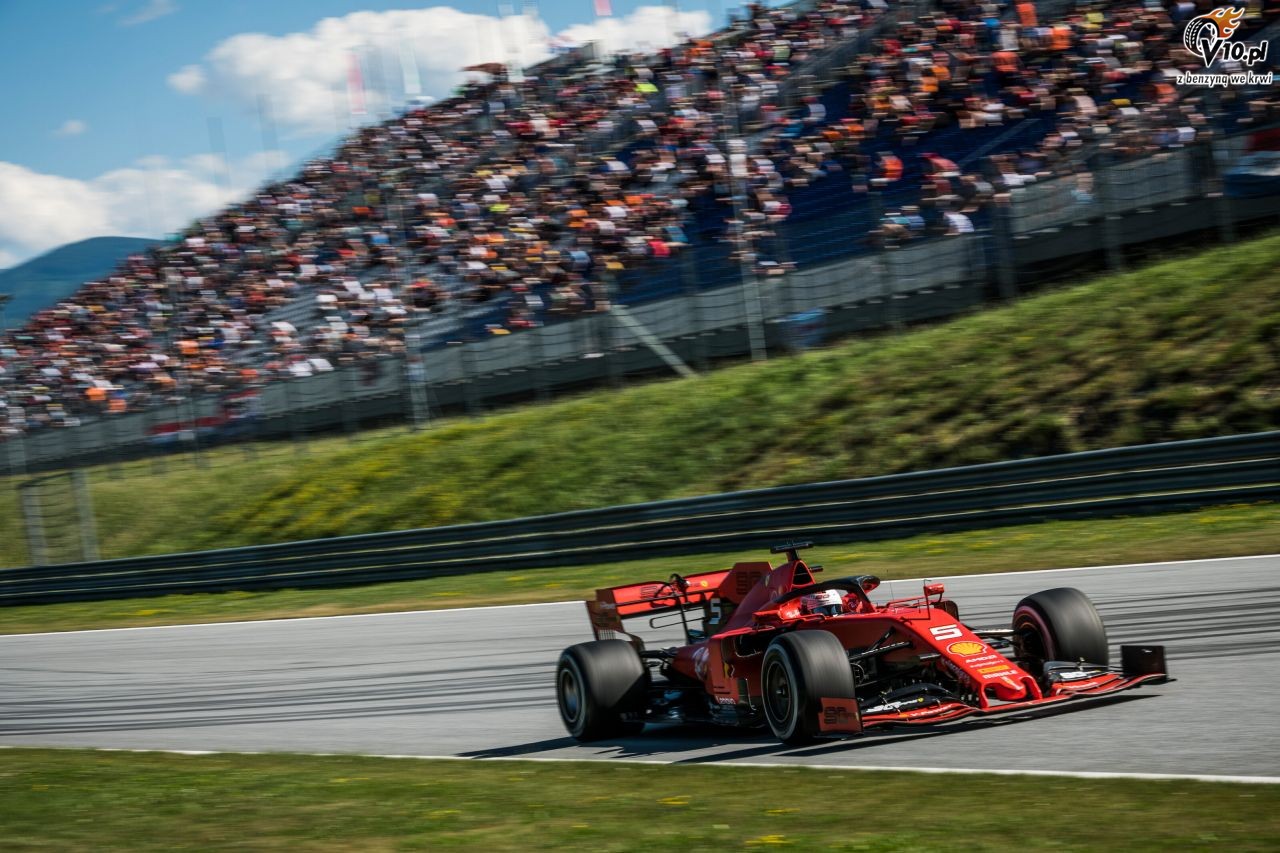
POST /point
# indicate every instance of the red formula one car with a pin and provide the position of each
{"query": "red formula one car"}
(811, 658)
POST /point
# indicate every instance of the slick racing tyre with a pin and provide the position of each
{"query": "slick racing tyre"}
(596, 684)
(798, 670)
(1058, 624)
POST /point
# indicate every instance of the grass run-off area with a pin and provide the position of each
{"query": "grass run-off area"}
(85, 800)
(1189, 347)
(1218, 532)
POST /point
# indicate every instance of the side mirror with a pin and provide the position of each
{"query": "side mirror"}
(868, 582)
(932, 589)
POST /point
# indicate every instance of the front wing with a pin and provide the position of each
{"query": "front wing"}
(947, 711)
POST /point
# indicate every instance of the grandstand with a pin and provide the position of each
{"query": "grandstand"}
(879, 163)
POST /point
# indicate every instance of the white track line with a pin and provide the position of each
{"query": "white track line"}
(1065, 774)
(287, 619)
(447, 610)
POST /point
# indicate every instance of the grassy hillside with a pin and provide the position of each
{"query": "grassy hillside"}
(1186, 348)
(42, 281)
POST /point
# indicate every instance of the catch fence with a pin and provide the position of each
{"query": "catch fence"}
(835, 274)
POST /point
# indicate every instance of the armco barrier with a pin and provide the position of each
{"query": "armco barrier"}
(1127, 480)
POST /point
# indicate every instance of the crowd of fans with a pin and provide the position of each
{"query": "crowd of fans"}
(536, 194)
(1104, 75)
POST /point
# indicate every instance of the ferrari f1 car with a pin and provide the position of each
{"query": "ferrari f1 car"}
(773, 646)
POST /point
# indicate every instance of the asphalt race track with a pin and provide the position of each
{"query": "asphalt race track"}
(478, 683)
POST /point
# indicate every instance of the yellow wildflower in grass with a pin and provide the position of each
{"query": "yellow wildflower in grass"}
(767, 839)
(675, 801)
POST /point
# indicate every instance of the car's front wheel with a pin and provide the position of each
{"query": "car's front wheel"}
(799, 669)
(600, 688)
(1058, 624)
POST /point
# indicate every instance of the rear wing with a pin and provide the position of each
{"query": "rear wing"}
(649, 598)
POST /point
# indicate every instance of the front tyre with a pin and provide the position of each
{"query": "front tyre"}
(596, 684)
(1058, 624)
(797, 671)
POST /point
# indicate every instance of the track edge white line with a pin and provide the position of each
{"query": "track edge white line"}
(932, 771)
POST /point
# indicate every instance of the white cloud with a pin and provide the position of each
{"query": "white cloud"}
(71, 127)
(305, 73)
(152, 10)
(188, 80)
(149, 198)
(647, 28)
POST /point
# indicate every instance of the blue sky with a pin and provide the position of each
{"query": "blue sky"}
(108, 102)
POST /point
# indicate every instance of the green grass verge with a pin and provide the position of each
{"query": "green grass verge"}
(1185, 348)
(1218, 532)
(84, 800)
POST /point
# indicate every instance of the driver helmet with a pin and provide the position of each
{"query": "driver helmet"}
(828, 602)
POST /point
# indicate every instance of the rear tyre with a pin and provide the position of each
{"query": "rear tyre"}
(1058, 624)
(596, 684)
(798, 670)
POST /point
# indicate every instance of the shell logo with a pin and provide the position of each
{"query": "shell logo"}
(966, 647)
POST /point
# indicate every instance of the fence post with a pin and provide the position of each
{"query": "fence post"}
(295, 431)
(350, 424)
(84, 509)
(538, 359)
(886, 261)
(882, 262)
(36, 544)
(469, 390)
(191, 403)
(16, 443)
(611, 335)
(415, 374)
(1212, 188)
(1104, 180)
(158, 462)
(689, 276)
(1006, 263)
(115, 447)
(248, 416)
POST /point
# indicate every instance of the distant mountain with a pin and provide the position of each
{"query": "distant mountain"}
(42, 281)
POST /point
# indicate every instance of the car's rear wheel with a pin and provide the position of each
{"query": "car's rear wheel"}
(600, 688)
(799, 669)
(1058, 624)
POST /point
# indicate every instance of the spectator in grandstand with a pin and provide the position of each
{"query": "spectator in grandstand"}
(521, 195)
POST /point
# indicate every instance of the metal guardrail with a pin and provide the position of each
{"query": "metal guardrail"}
(1127, 480)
